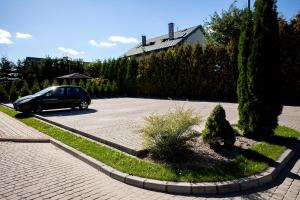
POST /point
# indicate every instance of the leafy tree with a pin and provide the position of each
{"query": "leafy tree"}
(4, 97)
(263, 70)
(18, 83)
(244, 53)
(46, 83)
(25, 89)
(224, 27)
(13, 93)
(36, 87)
(21, 70)
(6, 68)
(289, 34)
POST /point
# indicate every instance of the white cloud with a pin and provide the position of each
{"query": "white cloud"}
(70, 52)
(123, 40)
(107, 44)
(5, 37)
(102, 44)
(23, 35)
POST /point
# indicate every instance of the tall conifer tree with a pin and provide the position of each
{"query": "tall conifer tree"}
(263, 70)
(244, 53)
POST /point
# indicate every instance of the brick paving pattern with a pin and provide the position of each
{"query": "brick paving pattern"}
(42, 171)
(11, 129)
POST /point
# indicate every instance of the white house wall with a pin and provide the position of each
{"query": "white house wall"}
(196, 37)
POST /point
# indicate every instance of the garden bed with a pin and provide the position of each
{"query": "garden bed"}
(201, 155)
(253, 160)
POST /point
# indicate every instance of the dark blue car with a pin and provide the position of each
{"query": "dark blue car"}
(55, 97)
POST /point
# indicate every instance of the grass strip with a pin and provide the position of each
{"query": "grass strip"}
(256, 160)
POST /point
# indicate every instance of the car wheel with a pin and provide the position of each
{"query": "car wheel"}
(38, 109)
(83, 105)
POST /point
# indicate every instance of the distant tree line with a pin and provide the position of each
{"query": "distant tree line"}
(181, 72)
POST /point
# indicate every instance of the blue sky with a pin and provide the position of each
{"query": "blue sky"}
(99, 29)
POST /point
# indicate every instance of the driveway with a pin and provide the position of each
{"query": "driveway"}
(118, 120)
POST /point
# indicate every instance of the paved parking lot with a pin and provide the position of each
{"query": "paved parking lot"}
(119, 120)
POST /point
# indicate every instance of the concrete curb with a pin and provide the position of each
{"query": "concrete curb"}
(207, 188)
(26, 140)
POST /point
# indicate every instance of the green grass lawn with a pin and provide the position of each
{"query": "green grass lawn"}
(256, 159)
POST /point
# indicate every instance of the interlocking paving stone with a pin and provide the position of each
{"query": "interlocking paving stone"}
(11, 129)
(41, 170)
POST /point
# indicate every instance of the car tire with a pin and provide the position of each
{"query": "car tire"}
(38, 109)
(83, 105)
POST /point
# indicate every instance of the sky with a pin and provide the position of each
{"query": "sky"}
(100, 29)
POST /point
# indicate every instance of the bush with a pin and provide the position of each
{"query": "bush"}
(107, 89)
(65, 82)
(46, 83)
(89, 88)
(114, 88)
(36, 87)
(3, 94)
(24, 90)
(95, 89)
(13, 93)
(73, 82)
(166, 135)
(55, 83)
(218, 130)
(81, 83)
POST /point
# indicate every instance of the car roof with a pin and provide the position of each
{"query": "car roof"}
(60, 86)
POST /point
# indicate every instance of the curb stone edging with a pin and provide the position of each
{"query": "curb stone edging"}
(207, 188)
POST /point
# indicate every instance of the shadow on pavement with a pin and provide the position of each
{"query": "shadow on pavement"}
(66, 112)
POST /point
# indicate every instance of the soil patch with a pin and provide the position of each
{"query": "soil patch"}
(201, 154)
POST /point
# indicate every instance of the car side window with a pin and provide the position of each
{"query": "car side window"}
(72, 91)
(49, 94)
(59, 92)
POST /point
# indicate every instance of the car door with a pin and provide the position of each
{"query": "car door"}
(73, 96)
(61, 97)
(49, 100)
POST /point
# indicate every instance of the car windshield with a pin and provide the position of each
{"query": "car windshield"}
(44, 91)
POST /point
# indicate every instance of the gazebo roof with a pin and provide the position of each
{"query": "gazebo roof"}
(74, 76)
